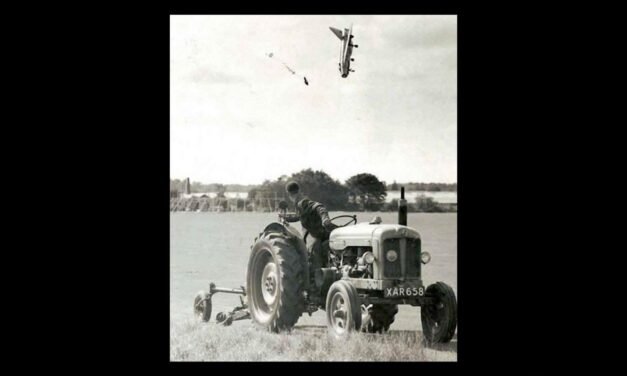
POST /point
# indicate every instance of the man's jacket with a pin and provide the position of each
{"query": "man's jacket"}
(313, 216)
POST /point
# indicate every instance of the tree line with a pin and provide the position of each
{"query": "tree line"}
(361, 192)
(197, 187)
(429, 187)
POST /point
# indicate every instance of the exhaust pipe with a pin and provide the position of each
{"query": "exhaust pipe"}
(402, 209)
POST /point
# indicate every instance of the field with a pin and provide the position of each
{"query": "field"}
(214, 247)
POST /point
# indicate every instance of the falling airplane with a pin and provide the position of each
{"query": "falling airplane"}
(347, 49)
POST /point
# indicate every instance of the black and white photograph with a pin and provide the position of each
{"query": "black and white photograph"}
(313, 188)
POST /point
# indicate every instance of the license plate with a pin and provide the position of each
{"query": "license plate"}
(403, 292)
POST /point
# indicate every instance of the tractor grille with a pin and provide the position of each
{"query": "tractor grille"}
(413, 258)
(392, 269)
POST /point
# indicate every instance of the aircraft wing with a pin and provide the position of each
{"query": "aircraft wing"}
(337, 32)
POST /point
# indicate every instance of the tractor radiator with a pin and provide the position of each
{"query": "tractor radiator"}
(411, 258)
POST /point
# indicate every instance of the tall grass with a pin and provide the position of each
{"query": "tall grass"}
(195, 341)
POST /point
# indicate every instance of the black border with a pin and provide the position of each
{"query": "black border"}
(426, 366)
(500, 291)
(94, 153)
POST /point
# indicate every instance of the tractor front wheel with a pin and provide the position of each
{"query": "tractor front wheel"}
(439, 320)
(343, 309)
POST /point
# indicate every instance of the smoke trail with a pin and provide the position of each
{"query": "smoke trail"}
(272, 56)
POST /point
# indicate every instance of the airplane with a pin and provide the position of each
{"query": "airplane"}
(347, 49)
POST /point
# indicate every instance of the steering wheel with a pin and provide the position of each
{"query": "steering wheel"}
(352, 217)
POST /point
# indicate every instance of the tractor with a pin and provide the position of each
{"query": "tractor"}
(372, 268)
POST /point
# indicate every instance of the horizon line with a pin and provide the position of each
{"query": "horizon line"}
(398, 183)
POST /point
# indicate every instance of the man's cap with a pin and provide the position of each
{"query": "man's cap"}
(292, 187)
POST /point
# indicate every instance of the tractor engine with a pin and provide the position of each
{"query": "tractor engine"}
(382, 252)
(353, 261)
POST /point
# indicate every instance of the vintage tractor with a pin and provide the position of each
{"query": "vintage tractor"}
(372, 268)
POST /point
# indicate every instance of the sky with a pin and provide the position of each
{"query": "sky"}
(238, 116)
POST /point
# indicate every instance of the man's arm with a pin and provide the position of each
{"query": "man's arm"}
(322, 212)
(324, 216)
(291, 217)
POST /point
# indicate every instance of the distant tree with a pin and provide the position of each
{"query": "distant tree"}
(223, 202)
(220, 188)
(429, 187)
(176, 185)
(252, 193)
(238, 188)
(240, 204)
(319, 186)
(392, 205)
(427, 204)
(369, 189)
(394, 186)
(196, 187)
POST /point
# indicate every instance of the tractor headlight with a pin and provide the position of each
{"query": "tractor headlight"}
(368, 257)
(391, 255)
(425, 257)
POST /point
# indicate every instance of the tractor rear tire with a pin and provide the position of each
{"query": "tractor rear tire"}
(202, 306)
(275, 282)
(381, 317)
(439, 320)
(343, 308)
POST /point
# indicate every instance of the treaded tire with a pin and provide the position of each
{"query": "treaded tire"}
(202, 306)
(381, 317)
(275, 282)
(343, 309)
(439, 321)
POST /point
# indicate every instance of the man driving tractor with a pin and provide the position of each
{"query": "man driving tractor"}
(314, 218)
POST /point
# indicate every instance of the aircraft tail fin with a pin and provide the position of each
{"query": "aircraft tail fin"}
(337, 32)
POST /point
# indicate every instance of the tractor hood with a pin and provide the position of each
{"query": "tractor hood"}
(363, 234)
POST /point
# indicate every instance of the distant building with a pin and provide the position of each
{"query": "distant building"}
(229, 195)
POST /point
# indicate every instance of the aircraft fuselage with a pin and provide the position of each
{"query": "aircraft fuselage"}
(346, 51)
(347, 59)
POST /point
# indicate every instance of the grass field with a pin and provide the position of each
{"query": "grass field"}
(214, 247)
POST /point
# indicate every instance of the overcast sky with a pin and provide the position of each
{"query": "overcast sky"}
(239, 116)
